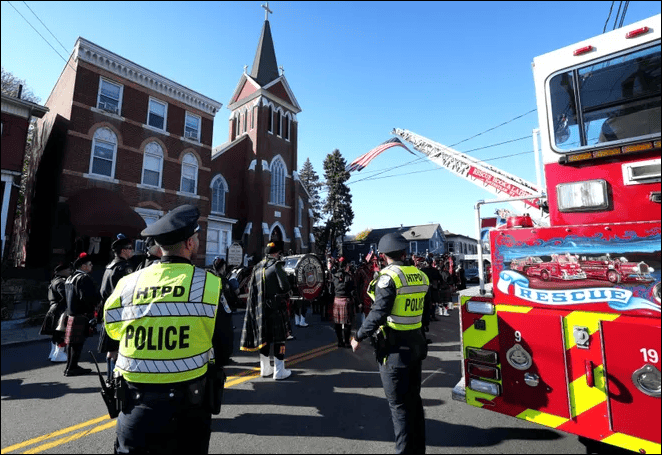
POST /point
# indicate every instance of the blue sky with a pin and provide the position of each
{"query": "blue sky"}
(445, 70)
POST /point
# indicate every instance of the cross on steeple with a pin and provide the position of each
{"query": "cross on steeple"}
(266, 11)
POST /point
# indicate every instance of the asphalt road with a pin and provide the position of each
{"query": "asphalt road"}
(333, 403)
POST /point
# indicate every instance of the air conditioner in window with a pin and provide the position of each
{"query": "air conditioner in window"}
(191, 134)
(108, 107)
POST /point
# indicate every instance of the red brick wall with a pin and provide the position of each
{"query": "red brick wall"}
(14, 133)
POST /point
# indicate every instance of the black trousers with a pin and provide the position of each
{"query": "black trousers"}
(73, 355)
(402, 387)
(161, 423)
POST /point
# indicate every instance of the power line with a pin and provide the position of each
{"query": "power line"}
(498, 126)
(625, 9)
(42, 23)
(620, 4)
(42, 37)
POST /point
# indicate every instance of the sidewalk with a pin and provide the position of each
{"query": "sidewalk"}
(17, 331)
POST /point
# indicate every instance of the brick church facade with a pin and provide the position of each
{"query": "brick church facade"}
(121, 146)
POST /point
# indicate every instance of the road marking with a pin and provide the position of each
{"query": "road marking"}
(243, 376)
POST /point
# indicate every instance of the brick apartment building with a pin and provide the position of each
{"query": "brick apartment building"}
(122, 145)
(16, 116)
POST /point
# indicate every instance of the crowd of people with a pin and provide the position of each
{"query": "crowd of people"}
(172, 358)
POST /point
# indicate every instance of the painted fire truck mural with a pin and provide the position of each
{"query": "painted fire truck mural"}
(568, 334)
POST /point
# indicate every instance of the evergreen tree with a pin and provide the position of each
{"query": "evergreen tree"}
(311, 181)
(338, 205)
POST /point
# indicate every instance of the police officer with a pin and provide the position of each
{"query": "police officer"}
(396, 318)
(115, 270)
(170, 327)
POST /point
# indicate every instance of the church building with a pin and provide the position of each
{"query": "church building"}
(255, 190)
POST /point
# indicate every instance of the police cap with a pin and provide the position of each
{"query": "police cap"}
(121, 243)
(178, 225)
(392, 242)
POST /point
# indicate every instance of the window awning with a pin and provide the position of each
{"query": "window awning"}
(103, 213)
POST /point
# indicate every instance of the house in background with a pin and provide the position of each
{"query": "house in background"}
(16, 117)
(463, 248)
(426, 238)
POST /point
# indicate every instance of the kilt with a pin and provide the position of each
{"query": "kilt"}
(278, 326)
(445, 295)
(77, 330)
(343, 310)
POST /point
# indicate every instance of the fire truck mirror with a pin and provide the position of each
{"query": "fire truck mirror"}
(582, 336)
(648, 379)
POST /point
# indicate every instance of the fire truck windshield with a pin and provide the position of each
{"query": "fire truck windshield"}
(619, 99)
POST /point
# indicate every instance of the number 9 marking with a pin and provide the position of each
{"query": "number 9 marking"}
(518, 336)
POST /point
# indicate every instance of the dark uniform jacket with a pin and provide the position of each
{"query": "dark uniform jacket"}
(82, 300)
(58, 305)
(403, 347)
(115, 270)
(266, 318)
(343, 284)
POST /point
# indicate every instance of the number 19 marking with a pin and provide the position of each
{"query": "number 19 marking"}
(650, 355)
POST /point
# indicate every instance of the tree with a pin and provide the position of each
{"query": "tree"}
(338, 205)
(311, 181)
(11, 83)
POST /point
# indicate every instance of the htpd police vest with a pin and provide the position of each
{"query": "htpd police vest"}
(164, 317)
(411, 286)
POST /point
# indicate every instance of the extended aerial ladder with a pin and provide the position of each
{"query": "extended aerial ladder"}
(488, 177)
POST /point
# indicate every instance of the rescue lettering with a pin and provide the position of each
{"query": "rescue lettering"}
(414, 304)
(156, 338)
(153, 291)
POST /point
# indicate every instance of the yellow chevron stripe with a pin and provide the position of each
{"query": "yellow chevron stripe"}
(584, 319)
(632, 443)
(583, 397)
(549, 420)
(479, 338)
(513, 308)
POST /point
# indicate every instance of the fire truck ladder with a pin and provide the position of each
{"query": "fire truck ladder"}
(506, 186)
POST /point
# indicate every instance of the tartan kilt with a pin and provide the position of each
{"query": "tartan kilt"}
(445, 295)
(278, 326)
(77, 330)
(343, 310)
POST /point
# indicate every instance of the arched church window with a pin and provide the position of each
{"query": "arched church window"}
(219, 188)
(278, 173)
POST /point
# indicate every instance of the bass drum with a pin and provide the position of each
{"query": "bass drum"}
(306, 274)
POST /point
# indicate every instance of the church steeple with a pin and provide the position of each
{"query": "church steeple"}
(265, 68)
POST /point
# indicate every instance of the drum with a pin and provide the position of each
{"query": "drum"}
(306, 274)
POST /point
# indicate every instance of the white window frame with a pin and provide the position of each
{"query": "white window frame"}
(253, 117)
(278, 181)
(286, 129)
(300, 211)
(165, 113)
(270, 123)
(278, 115)
(191, 165)
(151, 151)
(224, 189)
(105, 140)
(103, 80)
(189, 114)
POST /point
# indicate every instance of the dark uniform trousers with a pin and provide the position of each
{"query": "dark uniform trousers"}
(402, 386)
(166, 418)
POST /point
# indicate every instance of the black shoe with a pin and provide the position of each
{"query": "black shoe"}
(341, 344)
(78, 371)
(433, 318)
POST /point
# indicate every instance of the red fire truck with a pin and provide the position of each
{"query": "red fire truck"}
(583, 355)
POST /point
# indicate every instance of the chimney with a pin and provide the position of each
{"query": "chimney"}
(20, 91)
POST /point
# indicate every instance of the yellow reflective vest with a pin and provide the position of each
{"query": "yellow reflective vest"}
(411, 286)
(164, 317)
